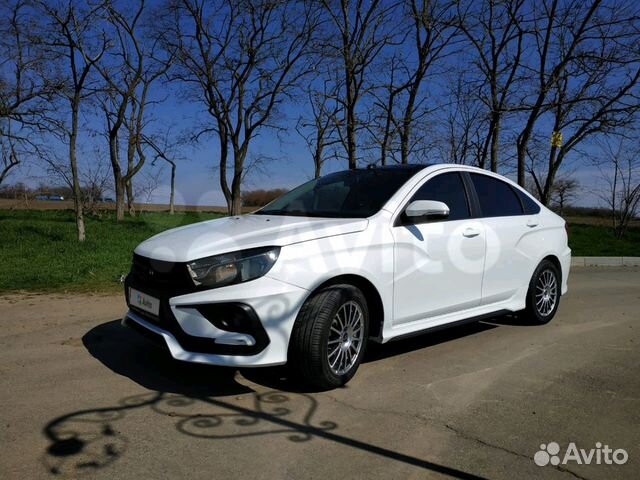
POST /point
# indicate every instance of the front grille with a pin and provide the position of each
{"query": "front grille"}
(160, 273)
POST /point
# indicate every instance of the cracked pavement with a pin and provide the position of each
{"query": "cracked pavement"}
(82, 396)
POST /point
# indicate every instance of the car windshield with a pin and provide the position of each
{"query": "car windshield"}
(347, 194)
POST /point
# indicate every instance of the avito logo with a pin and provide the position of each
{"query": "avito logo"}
(550, 454)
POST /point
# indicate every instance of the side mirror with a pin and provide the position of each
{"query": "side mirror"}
(426, 208)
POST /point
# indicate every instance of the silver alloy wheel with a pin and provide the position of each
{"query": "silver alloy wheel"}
(345, 337)
(546, 292)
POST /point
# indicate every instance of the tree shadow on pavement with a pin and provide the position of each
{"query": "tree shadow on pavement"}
(193, 398)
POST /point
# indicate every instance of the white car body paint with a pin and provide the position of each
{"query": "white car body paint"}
(426, 275)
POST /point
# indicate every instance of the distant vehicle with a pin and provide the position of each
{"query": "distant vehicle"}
(55, 198)
(377, 253)
(107, 200)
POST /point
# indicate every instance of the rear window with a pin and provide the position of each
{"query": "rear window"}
(497, 198)
(530, 206)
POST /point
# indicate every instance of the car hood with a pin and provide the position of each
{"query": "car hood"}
(229, 234)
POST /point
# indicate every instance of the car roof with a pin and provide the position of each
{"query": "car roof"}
(411, 167)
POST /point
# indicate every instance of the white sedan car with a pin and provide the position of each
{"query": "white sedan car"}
(378, 253)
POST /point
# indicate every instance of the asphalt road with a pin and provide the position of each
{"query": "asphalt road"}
(82, 396)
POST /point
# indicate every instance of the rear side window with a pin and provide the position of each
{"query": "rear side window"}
(530, 207)
(497, 198)
(447, 188)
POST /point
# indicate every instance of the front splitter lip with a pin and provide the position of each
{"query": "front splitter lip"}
(179, 353)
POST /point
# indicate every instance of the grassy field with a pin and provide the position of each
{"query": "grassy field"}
(589, 240)
(39, 250)
(40, 253)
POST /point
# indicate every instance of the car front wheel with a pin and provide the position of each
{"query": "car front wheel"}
(329, 336)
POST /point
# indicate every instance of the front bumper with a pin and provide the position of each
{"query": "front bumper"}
(193, 334)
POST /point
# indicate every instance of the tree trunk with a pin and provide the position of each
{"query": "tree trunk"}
(224, 156)
(117, 174)
(239, 155)
(119, 184)
(495, 143)
(384, 147)
(317, 158)
(173, 189)
(555, 158)
(404, 145)
(407, 124)
(130, 198)
(236, 198)
(522, 157)
(351, 120)
(77, 191)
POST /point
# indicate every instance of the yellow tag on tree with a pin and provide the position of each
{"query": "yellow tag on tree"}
(556, 139)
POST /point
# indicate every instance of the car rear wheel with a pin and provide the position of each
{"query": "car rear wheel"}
(543, 297)
(329, 336)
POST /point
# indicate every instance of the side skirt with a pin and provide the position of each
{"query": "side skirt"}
(457, 323)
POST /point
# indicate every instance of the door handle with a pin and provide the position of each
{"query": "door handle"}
(470, 232)
(532, 223)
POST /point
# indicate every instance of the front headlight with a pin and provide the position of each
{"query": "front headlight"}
(235, 267)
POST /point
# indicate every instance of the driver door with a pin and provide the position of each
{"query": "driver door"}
(438, 263)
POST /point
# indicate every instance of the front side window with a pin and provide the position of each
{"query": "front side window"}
(348, 194)
(497, 198)
(447, 188)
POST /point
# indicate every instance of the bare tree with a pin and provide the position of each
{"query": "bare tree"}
(359, 32)
(163, 150)
(242, 60)
(94, 179)
(78, 48)
(383, 124)
(147, 185)
(433, 31)
(10, 157)
(319, 128)
(95, 182)
(619, 165)
(129, 71)
(495, 32)
(564, 190)
(463, 128)
(26, 86)
(587, 67)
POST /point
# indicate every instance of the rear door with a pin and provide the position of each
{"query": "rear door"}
(507, 266)
(438, 263)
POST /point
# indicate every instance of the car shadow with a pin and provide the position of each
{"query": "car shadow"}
(514, 319)
(192, 397)
(376, 351)
(150, 365)
(127, 353)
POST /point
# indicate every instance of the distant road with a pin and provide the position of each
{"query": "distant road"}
(68, 204)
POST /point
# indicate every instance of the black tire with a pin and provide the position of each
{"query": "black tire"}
(309, 345)
(538, 311)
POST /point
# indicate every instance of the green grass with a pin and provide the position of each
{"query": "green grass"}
(40, 251)
(599, 241)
